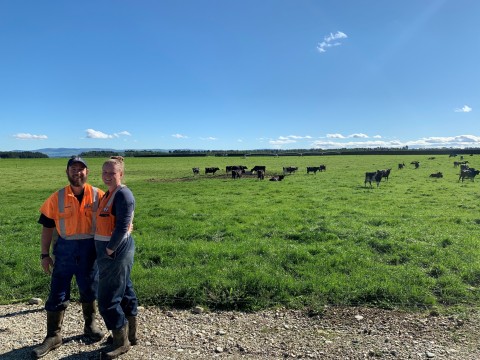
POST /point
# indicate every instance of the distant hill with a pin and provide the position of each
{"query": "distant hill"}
(67, 152)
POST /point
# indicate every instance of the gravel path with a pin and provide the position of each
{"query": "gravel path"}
(338, 333)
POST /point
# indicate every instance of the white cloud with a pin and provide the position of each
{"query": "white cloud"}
(340, 136)
(335, 136)
(179, 136)
(210, 138)
(327, 41)
(26, 136)
(464, 109)
(358, 136)
(459, 141)
(95, 134)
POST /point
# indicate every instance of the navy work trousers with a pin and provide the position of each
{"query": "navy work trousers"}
(116, 297)
(73, 258)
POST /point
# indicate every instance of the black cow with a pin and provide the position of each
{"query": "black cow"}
(416, 163)
(313, 169)
(437, 175)
(242, 168)
(323, 168)
(386, 173)
(277, 178)
(373, 176)
(260, 174)
(211, 170)
(401, 166)
(257, 168)
(196, 171)
(469, 173)
(289, 169)
(236, 174)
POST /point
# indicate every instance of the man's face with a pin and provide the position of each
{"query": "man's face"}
(77, 174)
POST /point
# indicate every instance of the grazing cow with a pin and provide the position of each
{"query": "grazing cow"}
(313, 169)
(323, 168)
(469, 173)
(457, 163)
(236, 174)
(289, 169)
(401, 166)
(242, 168)
(386, 173)
(211, 170)
(196, 171)
(257, 168)
(260, 174)
(373, 176)
(464, 167)
(277, 178)
(437, 175)
(431, 158)
(416, 163)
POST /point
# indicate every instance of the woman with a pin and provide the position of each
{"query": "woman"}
(115, 247)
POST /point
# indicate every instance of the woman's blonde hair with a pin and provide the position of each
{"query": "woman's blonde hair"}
(117, 161)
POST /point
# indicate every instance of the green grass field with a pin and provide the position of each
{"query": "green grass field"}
(247, 244)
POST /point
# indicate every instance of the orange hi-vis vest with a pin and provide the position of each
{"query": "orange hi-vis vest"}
(73, 220)
(106, 220)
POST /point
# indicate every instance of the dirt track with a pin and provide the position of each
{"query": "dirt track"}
(337, 333)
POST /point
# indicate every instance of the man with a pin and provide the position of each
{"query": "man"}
(71, 213)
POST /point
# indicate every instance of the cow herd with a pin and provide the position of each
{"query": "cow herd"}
(466, 172)
(259, 171)
(237, 171)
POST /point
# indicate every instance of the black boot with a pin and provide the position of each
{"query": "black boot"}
(91, 328)
(132, 330)
(53, 339)
(120, 344)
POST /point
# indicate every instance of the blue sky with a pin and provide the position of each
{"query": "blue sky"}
(229, 74)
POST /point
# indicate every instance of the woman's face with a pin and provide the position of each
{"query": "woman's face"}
(111, 175)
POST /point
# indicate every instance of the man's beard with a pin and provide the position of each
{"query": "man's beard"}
(77, 181)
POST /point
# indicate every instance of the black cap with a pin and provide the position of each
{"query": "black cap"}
(76, 159)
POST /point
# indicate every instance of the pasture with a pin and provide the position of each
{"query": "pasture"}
(306, 241)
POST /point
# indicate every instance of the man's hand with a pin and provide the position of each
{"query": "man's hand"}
(47, 265)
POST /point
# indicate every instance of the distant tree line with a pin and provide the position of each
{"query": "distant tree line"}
(100, 153)
(21, 155)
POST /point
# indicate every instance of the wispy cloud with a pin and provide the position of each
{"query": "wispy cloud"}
(95, 134)
(290, 139)
(209, 138)
(459, 141)
(180, 136)
(340, 136)
(464, 109)
(26, 136)
(331, 40)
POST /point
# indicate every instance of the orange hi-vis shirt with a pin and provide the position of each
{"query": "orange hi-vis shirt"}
(73, 220)
(106, 220)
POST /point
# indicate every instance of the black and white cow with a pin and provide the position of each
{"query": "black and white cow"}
(257, 168)
(196, 171)
(469, 174)
(373, 176)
